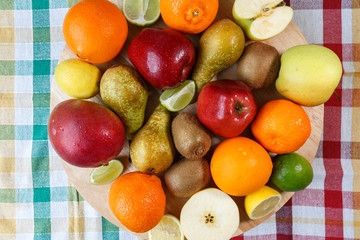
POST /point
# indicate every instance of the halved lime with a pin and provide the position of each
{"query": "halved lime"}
(178, 98)
(106, 174)
(141, 12)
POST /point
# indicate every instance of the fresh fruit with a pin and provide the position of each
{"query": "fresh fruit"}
(240, 166)
(292, 172)
(259, 65)
(226, 107)
(220, 46)
(260, 203)
(85, 134)
(106, 173)
(191, 139)
(137, 200)
(95, 30)
(168, 228)
(124, 91)
(309, 74)
(152, 149)
(164, 57)
(209, 215)
(186, 177)
(77, 78)
(263, 19)
(178, 98)
(281, 126)
(189, 16)
(141, 12)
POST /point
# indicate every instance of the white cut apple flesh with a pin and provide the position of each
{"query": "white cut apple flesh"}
(209, 214)
(262, 19)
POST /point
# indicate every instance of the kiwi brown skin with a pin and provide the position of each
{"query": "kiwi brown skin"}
(187, 176)
(191, 139)
(259, 65)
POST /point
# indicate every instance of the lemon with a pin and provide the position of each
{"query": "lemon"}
(77, 78)
(141, 12)
(291, 172)
(261, 202)
(168, 228)
(106, 174)
(178, 98)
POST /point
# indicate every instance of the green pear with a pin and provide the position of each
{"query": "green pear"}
(152, 149)
(220, 46)
(309, 74)
(124, 91)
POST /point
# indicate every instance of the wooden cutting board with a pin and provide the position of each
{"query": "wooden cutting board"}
(97, 196)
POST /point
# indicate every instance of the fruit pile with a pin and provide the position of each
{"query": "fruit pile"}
(172, 148)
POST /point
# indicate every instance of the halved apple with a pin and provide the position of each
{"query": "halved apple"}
(262, 19)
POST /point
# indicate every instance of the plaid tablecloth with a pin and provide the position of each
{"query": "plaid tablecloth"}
(38, 202)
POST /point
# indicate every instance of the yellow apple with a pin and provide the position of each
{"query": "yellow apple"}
(262, 19)
(309, 74)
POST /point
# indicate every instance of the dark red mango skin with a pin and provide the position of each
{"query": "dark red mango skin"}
(84, 133)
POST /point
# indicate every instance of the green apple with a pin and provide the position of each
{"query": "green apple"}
(308, 74)
(262, 19)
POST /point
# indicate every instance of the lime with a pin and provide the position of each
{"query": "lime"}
(178, 98)
(77, 78)
(262, 202)
(291, 172)
(106, 174)
(168, 228)
(141, 12)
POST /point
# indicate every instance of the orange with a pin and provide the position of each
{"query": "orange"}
(137, 200)
(188, 16)
(281, 126)
(95, 30)
(240, 166)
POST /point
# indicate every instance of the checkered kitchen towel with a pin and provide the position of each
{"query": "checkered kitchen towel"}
(38, 202)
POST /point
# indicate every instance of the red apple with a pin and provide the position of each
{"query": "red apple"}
(226, 107)
(85, 134)
(164, 57)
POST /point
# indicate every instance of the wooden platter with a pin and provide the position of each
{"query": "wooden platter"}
(97, 196)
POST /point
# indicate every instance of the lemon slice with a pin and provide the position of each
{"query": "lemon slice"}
(106, 174)
(141, 12)
(261, 202)
(168, 228)
(178, 98)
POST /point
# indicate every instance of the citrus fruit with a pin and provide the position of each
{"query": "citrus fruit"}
(77, 78)
(137, 200)
(141, 12)
(292, 172)
(168, 228)
(240, 166)
(95, 30)
(260, 203)
(281, 126)
(178, 98)
(105, 174)
(189, 16)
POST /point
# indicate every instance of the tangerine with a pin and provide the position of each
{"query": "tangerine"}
(240, 166)
(189, 16)
(137, 200)
(281, 126)
(95, 30)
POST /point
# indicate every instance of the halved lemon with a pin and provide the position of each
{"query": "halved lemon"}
(141, 12)
(262, 202)
(178, 98)
(106, 174)
(168, 228)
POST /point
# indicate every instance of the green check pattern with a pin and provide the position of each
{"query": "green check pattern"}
(36, 199)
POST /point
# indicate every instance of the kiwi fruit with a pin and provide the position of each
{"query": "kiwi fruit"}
(191, 139)
(187, 176)
(259, 65)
